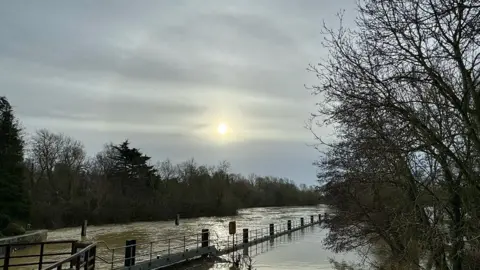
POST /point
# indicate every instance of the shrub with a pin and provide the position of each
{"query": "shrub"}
(13, 229)
(4, 221)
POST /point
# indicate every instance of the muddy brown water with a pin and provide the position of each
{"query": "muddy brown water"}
(300, 250)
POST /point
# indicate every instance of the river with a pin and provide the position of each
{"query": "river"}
(301, 250)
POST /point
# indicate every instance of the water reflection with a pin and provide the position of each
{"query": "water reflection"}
(259, 249)
(303, 251)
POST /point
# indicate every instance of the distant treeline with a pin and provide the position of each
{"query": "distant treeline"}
(118, 185)
(62, 186)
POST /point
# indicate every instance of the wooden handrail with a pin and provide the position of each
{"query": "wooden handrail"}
(36, 255)
(40, 257)
(73, 257)
(38, 243)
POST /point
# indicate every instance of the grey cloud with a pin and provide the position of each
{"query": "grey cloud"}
(50, 101)
(178, 57)
(109, 70)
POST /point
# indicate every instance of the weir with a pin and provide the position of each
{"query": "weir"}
(159, 254)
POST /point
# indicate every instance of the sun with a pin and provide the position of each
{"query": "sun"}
(222, 128)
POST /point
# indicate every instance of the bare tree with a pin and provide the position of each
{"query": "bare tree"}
(166, 170)
(59, 160)
(73, 153)
(403, 90)
(46, 148)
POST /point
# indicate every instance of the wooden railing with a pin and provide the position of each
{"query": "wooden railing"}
(40, 259)
(82, 259)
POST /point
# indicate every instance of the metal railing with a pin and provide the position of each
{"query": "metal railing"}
(39, 259)
(256, 235)
(85, 256)
(147, 252)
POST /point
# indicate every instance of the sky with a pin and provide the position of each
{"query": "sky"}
(165, 74)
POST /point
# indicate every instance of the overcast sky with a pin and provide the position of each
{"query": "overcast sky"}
(165, 74)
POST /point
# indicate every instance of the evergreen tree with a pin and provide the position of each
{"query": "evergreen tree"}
(130, 165)
(13, 200)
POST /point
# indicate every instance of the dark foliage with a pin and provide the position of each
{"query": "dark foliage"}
(13, 199)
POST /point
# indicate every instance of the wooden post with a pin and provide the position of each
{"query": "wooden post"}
(40, 260)
(319, 218)
(93, 253)
(301, 222)
(77, 262)
(6, 259)
(272, 230)
(73, 250)
(177, 220)
(205, 236)
(311, 219)
(245, 236)
(130, 248)
(84, 228)
(86, 257)
(289, 225)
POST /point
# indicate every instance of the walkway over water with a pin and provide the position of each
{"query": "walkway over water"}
(158, 254)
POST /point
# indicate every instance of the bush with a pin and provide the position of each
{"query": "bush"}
(4, 221)
(13, 229)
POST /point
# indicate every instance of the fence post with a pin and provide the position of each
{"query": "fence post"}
(6, 260)
(197, 242)
(205, 236)
(84, 228)
(289, 225)
(40, 260)
(130, 248)
(319, 218)
(177, 220)
(73, 251)
(245, 236)
(94, 255)
(272, 230)
(86, 256)
(184, 244)
(245, 242)
(301, 222)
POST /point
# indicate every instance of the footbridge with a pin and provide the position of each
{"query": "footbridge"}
(168, 253)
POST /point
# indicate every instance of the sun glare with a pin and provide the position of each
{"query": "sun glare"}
(222, 129)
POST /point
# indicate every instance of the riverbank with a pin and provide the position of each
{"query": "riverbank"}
(28, 237)
(163, 218)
